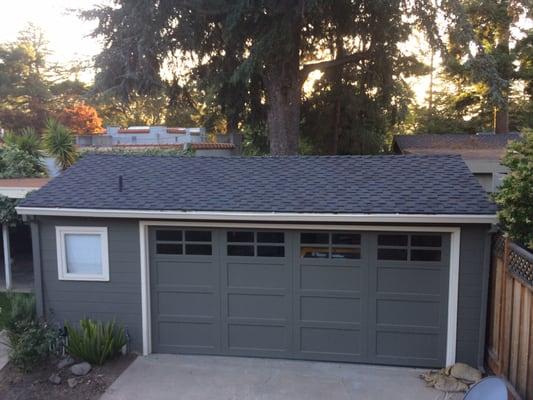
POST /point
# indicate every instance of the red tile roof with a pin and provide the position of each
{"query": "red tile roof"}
(24, 182)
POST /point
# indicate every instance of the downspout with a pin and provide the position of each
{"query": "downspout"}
(484, 297)
(7, 255)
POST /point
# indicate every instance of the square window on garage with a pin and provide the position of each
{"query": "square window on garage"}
(270, 251)
(314, 238)
(426, 240)
(392, 240)
(241, 250)
(198, 236)
(168, 235)
(392, 254)
(425, 255)
(270, 237)
(346, 238)
(314, 252)
(349, 252)
(240, 237)
(198, 249)
(169, 248)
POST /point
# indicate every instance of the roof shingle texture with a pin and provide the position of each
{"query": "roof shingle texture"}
(337, 184)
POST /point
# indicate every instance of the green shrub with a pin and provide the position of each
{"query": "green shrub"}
(515, 196)
(95, 342)
(30, 340)
(31, 344)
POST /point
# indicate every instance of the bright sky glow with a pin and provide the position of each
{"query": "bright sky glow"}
(66, 33)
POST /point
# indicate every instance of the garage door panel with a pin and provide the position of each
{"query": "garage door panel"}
(330, 341)
(257, 306)
(188, 336)
(187, 303)
(408, 312)
(330, 277)
(186, 273)
(408, 345)
(402, 279)
(260, 337)
(249, 275)
(330, 309)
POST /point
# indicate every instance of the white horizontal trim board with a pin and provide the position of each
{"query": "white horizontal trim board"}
(15, 192)
(453, 286)
(262, 216)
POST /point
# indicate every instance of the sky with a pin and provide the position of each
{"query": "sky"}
(66, 33)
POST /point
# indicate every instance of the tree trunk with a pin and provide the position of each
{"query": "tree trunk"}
(501, 120)
(283, 113)
(283, 87)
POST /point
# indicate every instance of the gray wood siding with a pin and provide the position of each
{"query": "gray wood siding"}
(469, 310)
(121, 297)
(118, 299)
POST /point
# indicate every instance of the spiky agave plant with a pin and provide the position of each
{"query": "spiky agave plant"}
(26, 140)
(59, 143)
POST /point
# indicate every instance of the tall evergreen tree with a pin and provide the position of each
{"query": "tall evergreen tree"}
(258, 49)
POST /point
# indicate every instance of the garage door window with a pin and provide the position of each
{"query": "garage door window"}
(178, 242)
(416, 247)
(330, 245)
(258, 244)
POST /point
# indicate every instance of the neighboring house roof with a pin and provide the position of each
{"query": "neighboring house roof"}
(293, 184)
(20, 187)
(482, 146)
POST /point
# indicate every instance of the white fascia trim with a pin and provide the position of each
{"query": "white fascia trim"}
(453, 289)
(262, 216)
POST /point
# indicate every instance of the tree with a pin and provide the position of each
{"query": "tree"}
(248, 50)
(515, 196)
(81, 119)
(480, 56)
(59, 143)
(24, 81)
(8, 214)
(16, 163)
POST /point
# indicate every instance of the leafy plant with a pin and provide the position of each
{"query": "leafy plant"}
(95, 342)
(515, 196)
(17, 163)
(27, 140)
(8, 214)
(30, 340)
(59, 143)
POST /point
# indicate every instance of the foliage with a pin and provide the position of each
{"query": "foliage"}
(8, 214)
(30, 340)
(515, 196)
(59, 143)
(27, 140)
(16, 163)
(82, 119)
(251, 59)
(95, 342)
(149, 151)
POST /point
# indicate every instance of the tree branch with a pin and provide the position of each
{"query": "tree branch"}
(307, 68)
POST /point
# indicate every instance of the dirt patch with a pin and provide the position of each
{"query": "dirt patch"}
(15, 385)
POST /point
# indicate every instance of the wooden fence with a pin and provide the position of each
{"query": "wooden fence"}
(509, 350)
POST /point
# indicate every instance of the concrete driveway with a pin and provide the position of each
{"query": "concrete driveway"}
(162, 377)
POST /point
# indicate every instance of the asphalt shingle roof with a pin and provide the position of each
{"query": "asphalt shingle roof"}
(338, 184)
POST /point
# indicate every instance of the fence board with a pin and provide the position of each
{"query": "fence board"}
(509, 350)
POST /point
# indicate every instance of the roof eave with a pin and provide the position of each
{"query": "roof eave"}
(262, 216)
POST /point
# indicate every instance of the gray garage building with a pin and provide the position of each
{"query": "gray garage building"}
(371, 259)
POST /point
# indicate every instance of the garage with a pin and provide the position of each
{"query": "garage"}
(355, 296)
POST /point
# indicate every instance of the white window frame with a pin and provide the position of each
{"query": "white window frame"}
(62, 270)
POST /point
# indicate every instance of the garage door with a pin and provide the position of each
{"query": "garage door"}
(372, 297)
